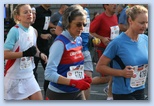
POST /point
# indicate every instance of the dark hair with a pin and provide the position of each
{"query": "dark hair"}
(104, 6)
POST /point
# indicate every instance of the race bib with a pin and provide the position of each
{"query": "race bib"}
(25, 62)
(141, 74)
(86, 28)
(114, 31)
(46, 23)
(76, 72)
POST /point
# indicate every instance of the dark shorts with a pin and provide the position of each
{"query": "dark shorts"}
(137, 95)
(51, 95)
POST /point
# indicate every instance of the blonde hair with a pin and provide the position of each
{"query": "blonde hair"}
(16, 12)
(132, 12)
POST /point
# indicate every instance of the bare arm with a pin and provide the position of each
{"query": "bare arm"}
(104, 40)
(102, 67)
(8, 54)
(51, 25)
(46, 36)
(97, 36)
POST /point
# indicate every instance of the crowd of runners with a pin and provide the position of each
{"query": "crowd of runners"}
(61, 41)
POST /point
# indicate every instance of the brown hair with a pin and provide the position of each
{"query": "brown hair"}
(71, 13)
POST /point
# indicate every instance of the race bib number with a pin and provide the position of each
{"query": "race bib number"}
(25, 62)
(114, 32)
(86, 28)
(76, 72)
(141, 74)
(46, 23)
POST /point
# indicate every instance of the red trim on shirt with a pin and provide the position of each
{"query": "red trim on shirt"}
(10, 63)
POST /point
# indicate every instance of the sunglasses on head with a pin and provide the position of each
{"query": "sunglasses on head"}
(80, 24)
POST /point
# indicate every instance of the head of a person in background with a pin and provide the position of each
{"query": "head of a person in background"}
(110, 9)
(63, 7)
(23, 14)
(34, 14)
(137, 18)
(46, 6)
(74, 20)
(119, 8)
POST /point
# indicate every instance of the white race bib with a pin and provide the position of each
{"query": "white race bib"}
(76, 72)
(25, 62)
(46, 23)
(114, 31)
(86, 28)
(141, 74)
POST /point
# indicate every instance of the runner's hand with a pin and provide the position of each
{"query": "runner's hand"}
(128, 72)
(106, 40)
(80, 84)
(87, 79)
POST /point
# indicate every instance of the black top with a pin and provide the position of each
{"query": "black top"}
(41, 16)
